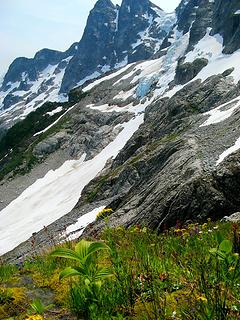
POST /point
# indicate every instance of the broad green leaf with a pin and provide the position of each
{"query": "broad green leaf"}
(82, 248)
(225, 246)
(103, 273)
(94, 247)
(66, 253)
(68, 272)
(219, 237)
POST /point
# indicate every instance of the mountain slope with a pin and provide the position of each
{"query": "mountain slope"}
(113, 37)
(183, 160)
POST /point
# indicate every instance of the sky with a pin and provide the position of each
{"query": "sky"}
(27, 26)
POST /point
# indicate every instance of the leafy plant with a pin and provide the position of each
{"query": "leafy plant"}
(88, 270)
(38, 307)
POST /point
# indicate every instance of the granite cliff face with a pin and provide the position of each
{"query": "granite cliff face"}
(159, 138)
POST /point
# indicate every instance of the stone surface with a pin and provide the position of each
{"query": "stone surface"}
(187, 71)
(235, 217)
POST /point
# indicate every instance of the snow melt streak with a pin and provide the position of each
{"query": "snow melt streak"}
(53, 196)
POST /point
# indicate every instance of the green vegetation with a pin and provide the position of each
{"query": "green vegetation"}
(86, 293)
(16, 146)
(76, 95)
(188, 272)
(102, 180)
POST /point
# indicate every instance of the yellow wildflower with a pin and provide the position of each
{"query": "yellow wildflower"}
(202, 298)
(35, 317)
(104, 213)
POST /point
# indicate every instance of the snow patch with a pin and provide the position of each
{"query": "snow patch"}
(75, 230)
(229, 151)
(57, 110)
(222, 112)
(209, 47)
(110, 76)
(56, 194)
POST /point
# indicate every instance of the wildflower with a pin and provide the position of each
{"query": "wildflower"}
(231, 268)
(174, 314)
(209, 230)
(202, 299)
(104, 213)
(215, 228)
(144, 230)
(35, 317)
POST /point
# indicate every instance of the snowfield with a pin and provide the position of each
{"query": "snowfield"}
(56, 194)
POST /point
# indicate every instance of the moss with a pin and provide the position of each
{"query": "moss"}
(14, 302)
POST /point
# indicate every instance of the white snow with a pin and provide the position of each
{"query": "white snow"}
(116, 20)
(222, 112)
(105, 68)
(110, 76)
(209, 47)
(124, 95)
(137, 109)
(75, 230)
(122, 63)
(53, 196)
(57, 110)
(165, 20)
(229, 151)
(237, 12)
(52, 73)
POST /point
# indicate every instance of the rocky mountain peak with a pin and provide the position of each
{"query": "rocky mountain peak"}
(103, 4)
(113, 37)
